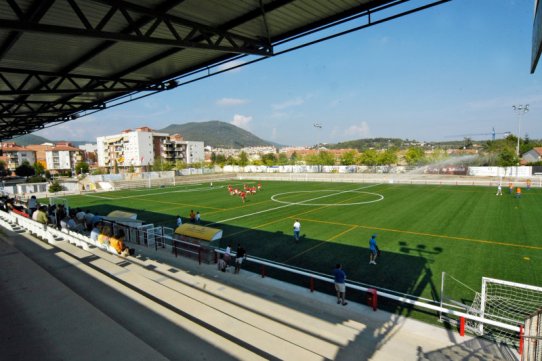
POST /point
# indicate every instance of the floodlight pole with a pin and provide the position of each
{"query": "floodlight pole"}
(520, 110)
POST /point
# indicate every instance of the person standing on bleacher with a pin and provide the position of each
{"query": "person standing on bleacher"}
(32, 205)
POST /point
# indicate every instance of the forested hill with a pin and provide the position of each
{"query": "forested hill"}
(376, 143)
(216, 134)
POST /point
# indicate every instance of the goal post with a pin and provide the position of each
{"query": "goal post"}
(58, 201)
(501, 301)
(507, 302)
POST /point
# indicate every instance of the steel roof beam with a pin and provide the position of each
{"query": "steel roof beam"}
(198, 35)
(208, 44)
(64, 75)
(36, 11)
(197, 30)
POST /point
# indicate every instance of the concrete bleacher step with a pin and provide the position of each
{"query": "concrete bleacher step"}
(474, 349)
(289, 335)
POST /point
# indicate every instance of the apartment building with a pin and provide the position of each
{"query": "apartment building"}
(136, 148)
(56, 157)
(175, 148)
(14, 155)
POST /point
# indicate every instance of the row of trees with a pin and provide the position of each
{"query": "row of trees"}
(500, 152)
(369, 157)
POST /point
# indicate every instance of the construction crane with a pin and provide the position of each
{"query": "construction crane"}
(493, 134)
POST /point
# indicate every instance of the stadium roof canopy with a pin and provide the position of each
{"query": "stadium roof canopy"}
(64, 59)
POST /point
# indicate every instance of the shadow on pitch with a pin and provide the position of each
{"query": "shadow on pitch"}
(407, 271)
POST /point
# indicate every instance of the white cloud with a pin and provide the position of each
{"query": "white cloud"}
(289, 103)
(241, 121)
(230, 65)
(231, 101)
(358, 131)
(80, 129)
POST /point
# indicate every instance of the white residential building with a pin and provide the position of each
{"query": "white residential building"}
(135, 148)
(175, 148)
(89, 147)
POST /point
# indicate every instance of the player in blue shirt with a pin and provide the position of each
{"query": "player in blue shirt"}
(374, 249)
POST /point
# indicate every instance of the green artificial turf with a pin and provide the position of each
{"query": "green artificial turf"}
(422, 230)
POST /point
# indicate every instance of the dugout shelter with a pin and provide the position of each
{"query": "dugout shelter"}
(193, 240)
(124, 218)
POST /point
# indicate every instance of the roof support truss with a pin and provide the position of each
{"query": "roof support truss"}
(182, 33)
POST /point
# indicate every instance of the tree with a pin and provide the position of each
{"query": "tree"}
(243, 159)
(326, 158)
(312, 159)
(39, 169)
(388, 157)
(4, 171)
(179, 164)
(220, 159)
(55, 187)
(99, 171)
(231, 160)
(25, 169)
(283, 159)
(294, 157)
(160, 165)
(414, 156)
(269, 159)
(507, 157)
(349, 157)
(81, 167)
(369, 157)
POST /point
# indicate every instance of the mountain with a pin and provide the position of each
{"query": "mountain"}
(216, 134)
(28, 139)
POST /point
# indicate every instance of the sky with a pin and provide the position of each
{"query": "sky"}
(445, 73)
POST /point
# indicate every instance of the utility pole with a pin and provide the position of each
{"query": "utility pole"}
(520, 110)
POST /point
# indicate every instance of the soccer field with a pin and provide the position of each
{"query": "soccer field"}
(422, 230)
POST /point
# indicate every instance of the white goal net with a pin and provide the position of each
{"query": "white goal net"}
(508, 302)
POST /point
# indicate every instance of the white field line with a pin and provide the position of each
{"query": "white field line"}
(292, 204)
(155, 194)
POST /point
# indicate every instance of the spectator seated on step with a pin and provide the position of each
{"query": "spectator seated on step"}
(80, 218)
(88, 221)
(95, 232)
(103, 237)
(117, 243)
(40, 215)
